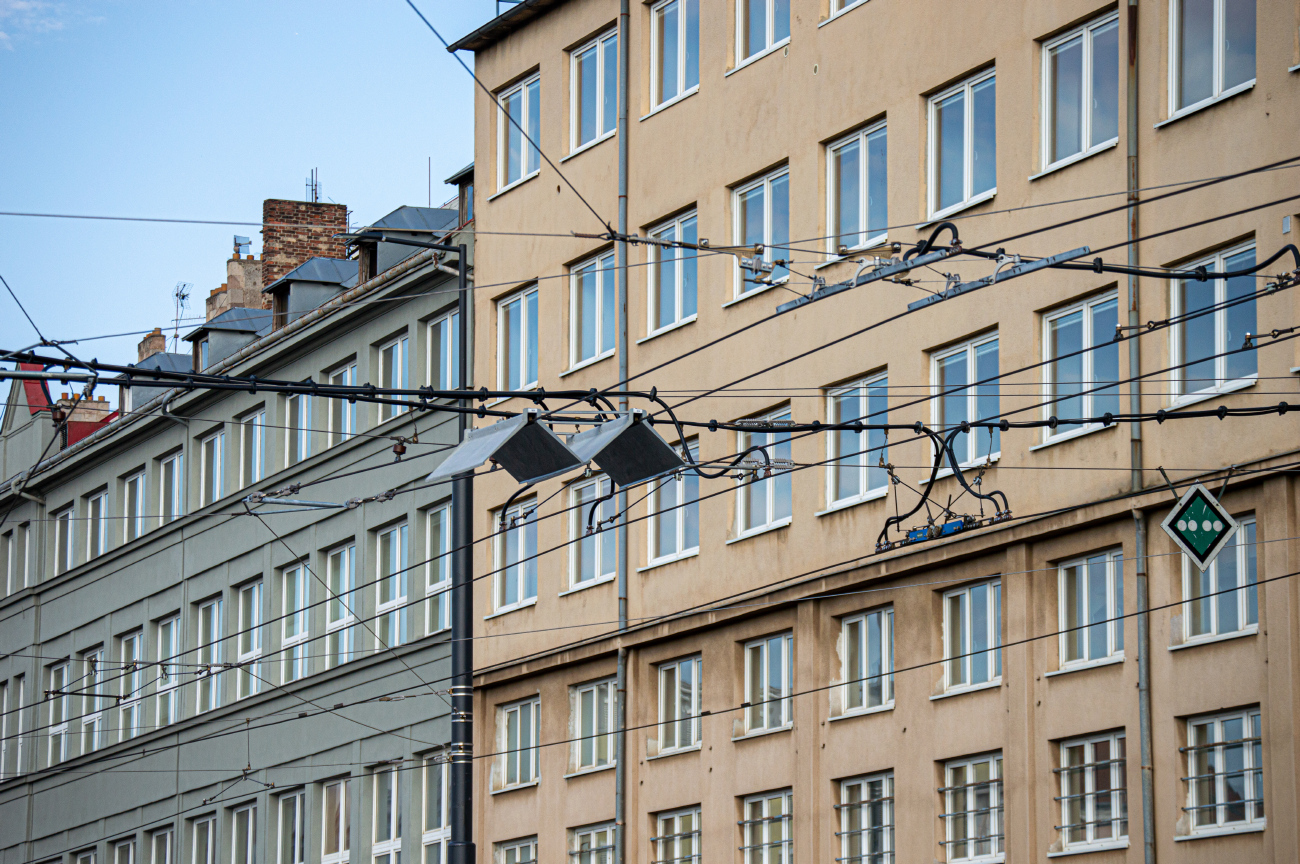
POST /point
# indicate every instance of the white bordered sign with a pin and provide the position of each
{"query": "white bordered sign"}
(1200, 526)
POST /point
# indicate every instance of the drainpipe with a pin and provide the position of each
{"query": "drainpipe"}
(620, 700)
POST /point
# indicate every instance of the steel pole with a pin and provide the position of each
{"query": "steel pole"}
(620, 696)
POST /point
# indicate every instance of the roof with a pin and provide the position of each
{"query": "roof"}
(336, 271)
(166, 361)
(463, 174)
(237, 320)
(503, 25)
(418, 219)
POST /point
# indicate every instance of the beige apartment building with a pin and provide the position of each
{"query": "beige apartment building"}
(792, 693)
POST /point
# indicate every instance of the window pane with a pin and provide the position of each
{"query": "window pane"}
(530, 336)
(1200, 608)
(979, 634)
(1105, 358)
(877, 449)
(1065, 336)
(534, 125)
(1239, 42)
(753, 26)
(780, 20)
(1072, 590)
(1066, 103)
(1240, 318)
(691, 512)
(585, 312)
(1097, 612)
(956, 620)
(690, 234)
(755, 686)
(952, 405)
(609, 100)
(875, 681)
(692, 37)
(665, 523)
(949, 150)
(514, 109)
(1246, 537)
(780, 230)
(845, 408)
(989, 440)
(1225, 568)
(877, 183)
(846, 171)
(1105, 84)
(584, 94)
(666, 49)
(1195, 51)
(608, 302)
(751, 217)
(668, 706)
(664, 278)
(984, 158)
(854, 689)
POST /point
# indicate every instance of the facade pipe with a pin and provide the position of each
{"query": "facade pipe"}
(620, 696)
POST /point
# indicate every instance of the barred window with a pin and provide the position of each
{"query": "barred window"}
(678, 840)
(767, 829)
(517, 851)
(867, 820)
(593, 845)
(972, 817)
(1225, 782)
(1094, 792)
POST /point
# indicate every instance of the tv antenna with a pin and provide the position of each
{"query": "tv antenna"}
(313, 186)
(181, 295)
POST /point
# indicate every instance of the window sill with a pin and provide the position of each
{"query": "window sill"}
(1083, 850)
(515, 185)
(1071, 435)
(1206, 103)
(585, 147)
(754, 58)
(506, 610)
(748, 294)
(967, 466)
(676, 751)
(583, 586)
(1249, 630)
(663, 106)
(1112, 660)
(840, 14)
(936, 218)
(1071, 160)
(504, 789)
(851, 256)
(670, 559)
(962, 691)
(689, 319)
(774, 526)
(1295, 68)
(863, 712)
(590, 361)
(849, 503)
(759, 733)
(1204, 395)
(1252, 828)
(583, 772)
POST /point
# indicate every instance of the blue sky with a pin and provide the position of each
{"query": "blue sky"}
(186, 109)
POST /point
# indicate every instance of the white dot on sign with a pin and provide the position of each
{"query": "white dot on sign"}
(1182, 524)
(1218, 526)
(1205, 526)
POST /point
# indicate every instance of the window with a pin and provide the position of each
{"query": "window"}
(591, 310)
(593, 845)
(1212, 49)
(124, 852)
(4, 729)
(343, 412)
(972, 816)
(867, 819)
(92, 720)
(959, 397)
(857, 470)
(520, 110)
(594, 94)
(675, 513)
(765, 500)
(211, 452)
(172, 487)
(517, 341)
(517, 851)
(444, 352)
(1225, 771)
(293, 829)
(337, 828)
(675, 51)
(252, 447)
(209, 655)
(678, 840)
(297, 432)
(25, 534)
(437, 570)
(673, 273)
(1209, 613)
(392, 375)
(205, 842)
(244, 836)
(169, 649)
(390, 614)
(129, 703)
(858, 190)
(680, 690)
(9, 558)
(63, 554)
(1094, 792)
(437, 794)
(768, 828)
(593, 709)
(769, 683)
(963, 145)
(591, 560)
(86, 857)
(249, 641)
(972, 625)
(1092, 597)
(339, 619)
(203, 354)
(762, 211)
(1197, 341)
(161, 843)
(387, 846)
(1081, 91)
(293, 624)
(867, 661)
(133, 507)
(516, 561)
(20, 684)
(517, 726)
(96, 525)
(760, 25)
(1082, 358)
(58, 733)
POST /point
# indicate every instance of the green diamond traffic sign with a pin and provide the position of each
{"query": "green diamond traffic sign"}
(1199, 525)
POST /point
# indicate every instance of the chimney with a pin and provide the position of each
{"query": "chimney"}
(154, 343)
(242, 288)
(293, 231)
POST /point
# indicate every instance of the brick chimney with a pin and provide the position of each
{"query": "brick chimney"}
(293, 231)
(242, 288)
(154, 343)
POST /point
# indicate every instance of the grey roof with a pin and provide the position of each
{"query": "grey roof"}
(455, 179)
(503, 25)
(418, 219)
(164, 361)
(239, 319)
(335, 271)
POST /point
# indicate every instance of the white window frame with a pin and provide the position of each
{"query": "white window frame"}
(522, 298)
(759, 844)
(1080, 631)
(529, 155)
(172, 503)
(969, 814)
(394, 609)
(520, 523)
(443, 372)
(865, 239)
(124, 851)
(58, 699)
(679, 707)
(605, 42)
(601, 544)
(875, 453)
(773, 442)
(4, 730)
(393, 356)
(969, 196)
(209, 655)
(437, 569)
(86, 857)
(970, 457)
(738, 229)
(344, 792)
(20, 683)
(1177, 335)
(248, 644)
(169, 649)
(674, 230)
(687, 501)
(1252, 750)
(248, 855)
(1085, 34)
(867, 819)
(1218, 91)
(770, 42)
(759, 707)
(390, 847)
(64, 548)
(204, 830)
(839, 7)
(96, 525)
(1079, 783)
(162, 841)
(592, 748)
(343, 412)
(600, 268)
(293, 816)
(1091, 344)
(297, 437)
(340, 617)
(657, 99)
(212, 458)
(966, 655)
(252, 448)
(92, 720)
(521, 755)
(517, 851)
(294, 623)
(437, 831)
(857, 660)
(678, 836)
(593, 844)
(1243, 547)
(130, 706)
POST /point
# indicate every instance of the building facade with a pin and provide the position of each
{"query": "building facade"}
(792, 692)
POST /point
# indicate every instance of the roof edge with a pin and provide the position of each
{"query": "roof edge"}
(503, 25)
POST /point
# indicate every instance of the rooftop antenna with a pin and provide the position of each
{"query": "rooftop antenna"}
(181, 295)
(313, 186)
